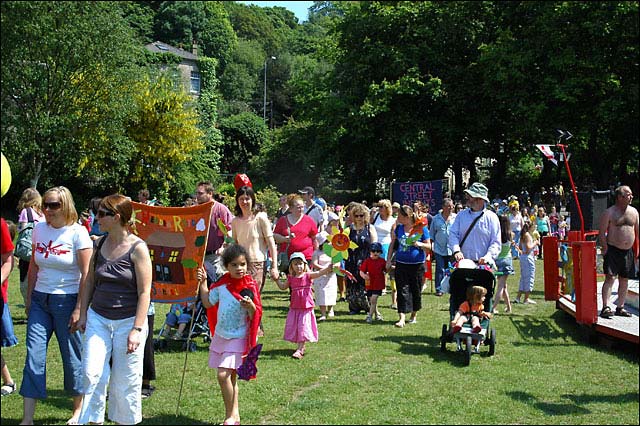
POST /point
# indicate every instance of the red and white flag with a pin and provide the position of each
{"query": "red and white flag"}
(548, 153)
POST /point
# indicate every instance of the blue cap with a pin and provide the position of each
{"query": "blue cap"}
(376, 247)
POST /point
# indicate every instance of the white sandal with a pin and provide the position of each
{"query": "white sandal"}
(8, 389)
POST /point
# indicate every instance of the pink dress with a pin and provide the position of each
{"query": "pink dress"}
(301, 323)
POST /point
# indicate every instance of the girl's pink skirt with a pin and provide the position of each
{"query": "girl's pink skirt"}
(301, 326)
(226, 353)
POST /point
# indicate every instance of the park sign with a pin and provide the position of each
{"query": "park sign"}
(429, 192)
(177, 240)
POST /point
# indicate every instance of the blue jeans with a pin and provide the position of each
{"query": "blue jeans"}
(50, 313)
(442, 262)
(516, 240)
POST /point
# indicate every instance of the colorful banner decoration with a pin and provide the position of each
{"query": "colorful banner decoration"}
(429, 192)
(548, 153)
(177, 239)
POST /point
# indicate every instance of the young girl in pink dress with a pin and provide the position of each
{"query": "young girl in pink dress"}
(301, 326)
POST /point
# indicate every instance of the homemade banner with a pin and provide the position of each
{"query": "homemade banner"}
(430, 193)
(177, 239)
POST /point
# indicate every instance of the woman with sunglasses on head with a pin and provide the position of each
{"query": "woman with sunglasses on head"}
(113, 317)
(363, 234)
(57, 274)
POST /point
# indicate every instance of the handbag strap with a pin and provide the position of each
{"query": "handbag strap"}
(288, 233)
(29, 215)
(466, 234)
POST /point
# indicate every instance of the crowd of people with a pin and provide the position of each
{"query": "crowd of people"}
(88, 279)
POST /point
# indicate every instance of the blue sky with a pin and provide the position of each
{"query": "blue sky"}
(299, 8)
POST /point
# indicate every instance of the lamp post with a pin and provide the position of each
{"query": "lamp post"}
(264, 106)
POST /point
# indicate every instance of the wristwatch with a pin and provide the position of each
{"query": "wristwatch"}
(137, 328)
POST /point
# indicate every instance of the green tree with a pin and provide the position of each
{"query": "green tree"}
(164, 131)
(243, 135)
(64, 68)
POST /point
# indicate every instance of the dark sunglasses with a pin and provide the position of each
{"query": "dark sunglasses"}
(358, 215)
(103, 213)
(55, 205)
(376, 251)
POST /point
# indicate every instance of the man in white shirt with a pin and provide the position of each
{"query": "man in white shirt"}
(311, 208)
(482, 244)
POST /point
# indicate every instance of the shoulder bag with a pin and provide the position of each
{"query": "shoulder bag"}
(24, 241)
(283, 257)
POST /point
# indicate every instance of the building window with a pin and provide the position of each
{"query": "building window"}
(163, 273)
(174, 256)
(195, 82)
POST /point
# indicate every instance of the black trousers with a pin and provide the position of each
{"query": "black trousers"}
(149, 362)
(409, 285)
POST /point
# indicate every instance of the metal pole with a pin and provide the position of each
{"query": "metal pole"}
(264, 104)
(264, 101)
(575, 193)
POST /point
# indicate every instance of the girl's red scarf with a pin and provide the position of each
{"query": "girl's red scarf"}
(235, 286)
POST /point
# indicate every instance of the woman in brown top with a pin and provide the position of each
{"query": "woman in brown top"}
(113, 317)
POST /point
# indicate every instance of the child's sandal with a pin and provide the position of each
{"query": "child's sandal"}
(298, 354)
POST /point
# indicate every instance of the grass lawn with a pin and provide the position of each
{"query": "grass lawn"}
(544, 372)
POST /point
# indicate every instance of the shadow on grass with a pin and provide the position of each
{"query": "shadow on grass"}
(424, 345)
(172, 419)
(575, 403)
(167, 419)
(548, 408)
(277, 353)
(534, 330)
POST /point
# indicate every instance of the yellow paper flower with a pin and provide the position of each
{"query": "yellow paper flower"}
(340, 243)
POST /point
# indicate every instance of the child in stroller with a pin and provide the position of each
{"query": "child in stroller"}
(179, 314)
(471, 289)
(200, 326)
(471, 309)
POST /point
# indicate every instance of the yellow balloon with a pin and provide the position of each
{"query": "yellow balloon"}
(6, 175)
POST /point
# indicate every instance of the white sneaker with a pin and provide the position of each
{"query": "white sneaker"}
(379, 317)
(530, 302)
(331, 314)
(322, 318)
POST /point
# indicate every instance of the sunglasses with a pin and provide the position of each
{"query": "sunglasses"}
(103, 213)
(54, 205)
(376, 251)
(358, 215)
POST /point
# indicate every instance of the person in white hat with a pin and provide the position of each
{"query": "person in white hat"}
(475, 233)
(300, 326)
(480, 243)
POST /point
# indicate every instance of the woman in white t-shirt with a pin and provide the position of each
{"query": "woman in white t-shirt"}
(385, 224)
(30, 204)
(58, 270)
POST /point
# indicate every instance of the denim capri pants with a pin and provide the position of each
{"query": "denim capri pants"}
(50, 313)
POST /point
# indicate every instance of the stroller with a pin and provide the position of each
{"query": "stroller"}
(460, 280)
(199, 327)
